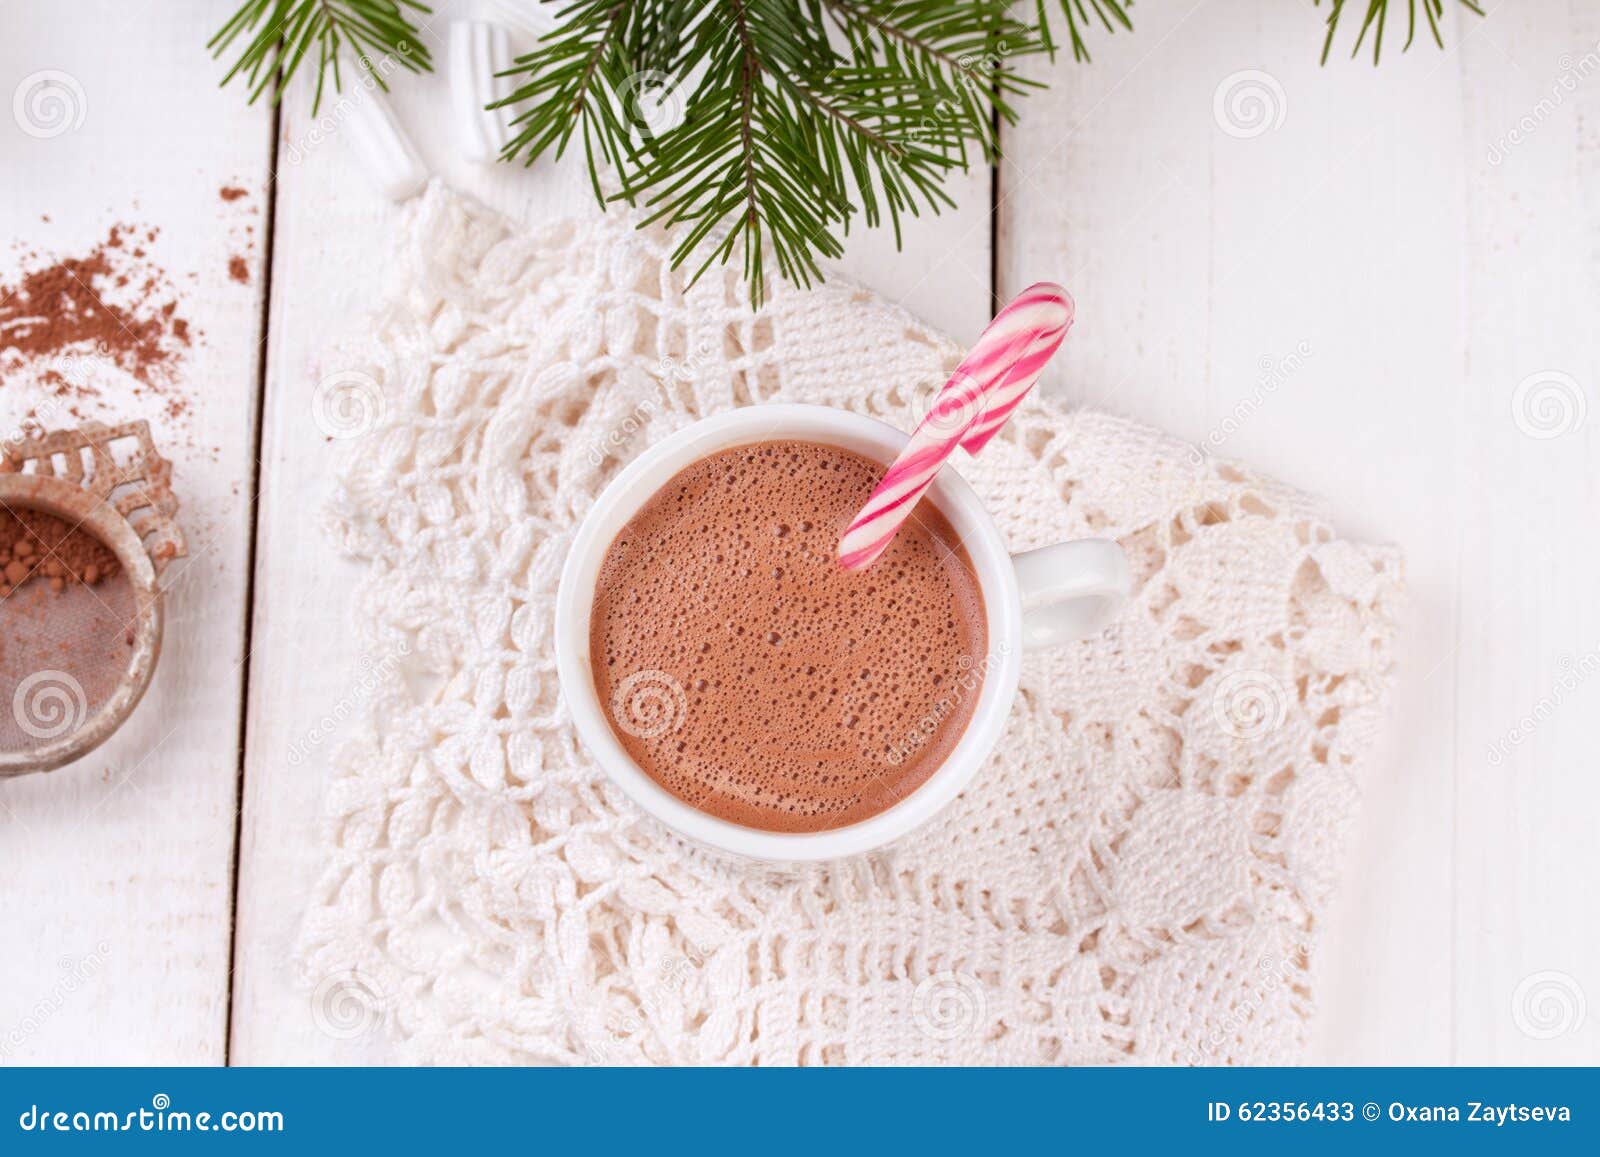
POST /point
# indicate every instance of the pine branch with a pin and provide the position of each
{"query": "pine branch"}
(1082, 14)
(1377, 17)
(1109, 13)
(574, 76)
(970, 65)
(777, 135)
(279, 35)
(769, 125)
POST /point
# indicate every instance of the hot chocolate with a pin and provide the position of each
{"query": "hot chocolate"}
(750, 675)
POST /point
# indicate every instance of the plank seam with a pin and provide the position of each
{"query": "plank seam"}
(270, 235)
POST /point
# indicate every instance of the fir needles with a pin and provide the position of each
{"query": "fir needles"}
(764, 127)
(280, 34)
(770, 125)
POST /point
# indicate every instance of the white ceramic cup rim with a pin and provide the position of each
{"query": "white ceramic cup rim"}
(641, 479)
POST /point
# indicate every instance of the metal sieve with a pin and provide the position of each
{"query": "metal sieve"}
(76, 657)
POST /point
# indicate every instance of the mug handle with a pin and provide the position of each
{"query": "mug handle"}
(1070, 590)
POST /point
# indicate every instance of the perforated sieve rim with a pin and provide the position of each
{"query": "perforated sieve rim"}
(100, 518)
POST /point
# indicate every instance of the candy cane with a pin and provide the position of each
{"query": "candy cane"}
(988, 385)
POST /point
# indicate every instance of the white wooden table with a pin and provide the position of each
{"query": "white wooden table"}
(1428, 232)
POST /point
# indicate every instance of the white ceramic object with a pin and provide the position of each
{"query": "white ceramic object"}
(528, 17)
(479, 52)
(1041, 598)
(388, 157)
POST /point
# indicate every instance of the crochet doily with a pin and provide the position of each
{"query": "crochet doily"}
(1137, 874)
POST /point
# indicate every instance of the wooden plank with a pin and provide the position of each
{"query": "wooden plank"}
(1526, 947)
(1203, 243)
(118, 896)
(334, 237)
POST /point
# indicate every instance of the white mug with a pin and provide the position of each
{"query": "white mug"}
(1036, 599)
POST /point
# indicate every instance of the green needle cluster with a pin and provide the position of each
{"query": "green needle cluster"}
(764, 127)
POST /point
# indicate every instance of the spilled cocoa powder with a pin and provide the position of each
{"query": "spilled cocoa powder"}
(110, 304)
(39, 546)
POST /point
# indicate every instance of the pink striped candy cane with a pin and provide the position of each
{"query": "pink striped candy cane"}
(988, 385)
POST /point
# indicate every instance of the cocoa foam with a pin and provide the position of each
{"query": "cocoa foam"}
(750, 675)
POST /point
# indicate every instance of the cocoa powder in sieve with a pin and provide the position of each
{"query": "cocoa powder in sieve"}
(35, 545)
